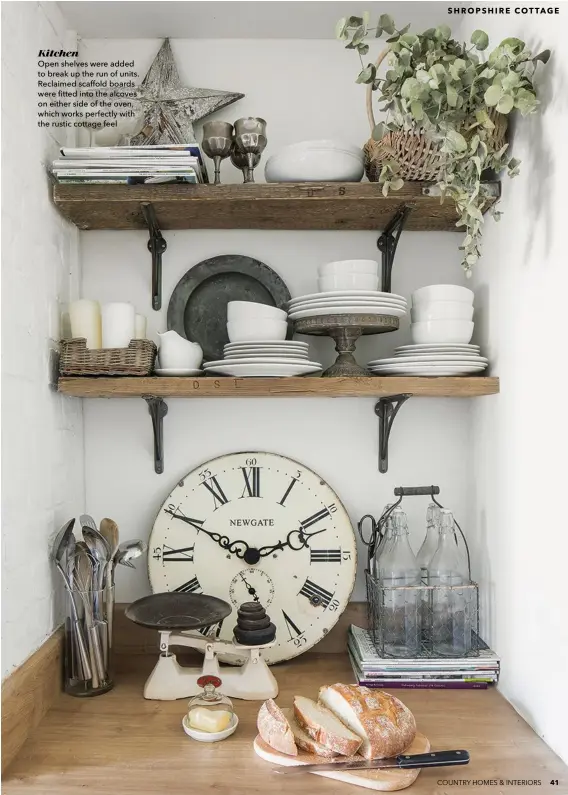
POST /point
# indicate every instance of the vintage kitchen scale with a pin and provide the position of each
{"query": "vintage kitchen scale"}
(189, 619)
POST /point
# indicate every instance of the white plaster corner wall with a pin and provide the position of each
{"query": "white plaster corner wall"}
(305, 89)
(42, 434)
(518, 494)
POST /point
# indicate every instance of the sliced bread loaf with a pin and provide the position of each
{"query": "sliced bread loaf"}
(303, 739)
(385, 724)
(274, 728)
(324, 727)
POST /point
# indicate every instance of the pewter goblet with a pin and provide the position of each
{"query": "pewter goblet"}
(250, 138)
(217, 141)
(240, 160)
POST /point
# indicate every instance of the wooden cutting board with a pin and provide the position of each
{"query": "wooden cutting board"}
(385, 780)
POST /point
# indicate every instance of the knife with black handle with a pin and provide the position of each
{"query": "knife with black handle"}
(402, 762)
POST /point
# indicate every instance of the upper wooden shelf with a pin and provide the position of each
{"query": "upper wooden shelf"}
(350, 205)
(124, 387)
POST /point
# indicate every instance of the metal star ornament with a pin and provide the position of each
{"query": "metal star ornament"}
(169, 108)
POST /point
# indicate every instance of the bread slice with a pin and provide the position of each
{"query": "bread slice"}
(385, 724)
(324, 727)
(303, 739)
(274, 728)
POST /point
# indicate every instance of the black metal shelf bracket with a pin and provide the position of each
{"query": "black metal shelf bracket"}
(388, 241)
(386, 410)
(156, 245)
(158, 409)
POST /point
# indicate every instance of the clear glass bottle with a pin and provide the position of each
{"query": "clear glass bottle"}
(400, 608)
(451, 606)
(431, 540)
(386, 539)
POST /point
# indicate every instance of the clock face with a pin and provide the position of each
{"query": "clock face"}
(258, 527)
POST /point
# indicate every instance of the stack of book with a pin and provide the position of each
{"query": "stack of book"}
(454, 673)
(130, 165)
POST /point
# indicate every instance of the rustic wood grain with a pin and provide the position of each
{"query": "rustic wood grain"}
(130, 638)
(28, 693)
(120, 743)
(379, 386)
(349, 205)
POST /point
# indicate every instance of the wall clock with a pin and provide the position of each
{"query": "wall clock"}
(258, 527)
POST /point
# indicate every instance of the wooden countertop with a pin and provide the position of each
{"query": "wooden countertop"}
(119, 743)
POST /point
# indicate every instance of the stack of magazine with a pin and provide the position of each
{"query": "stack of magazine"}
(453, 673)
(130, 165)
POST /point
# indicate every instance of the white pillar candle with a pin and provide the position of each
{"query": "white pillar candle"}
(85, 317)
(140, 327)
(118, 325)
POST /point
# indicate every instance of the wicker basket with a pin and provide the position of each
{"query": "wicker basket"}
(419, 158)
(76, 359)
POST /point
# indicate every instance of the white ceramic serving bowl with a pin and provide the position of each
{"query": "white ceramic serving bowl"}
(259, 328)
(209, 737)
(325, 143)
(442, 331)
(441, 310)
(241, 310)
(346, 266)
(310, 163)
(442, 292)
(348, 281)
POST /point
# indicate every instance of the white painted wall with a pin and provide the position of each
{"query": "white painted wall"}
(42, 444)
(305, 89)
(518, 488)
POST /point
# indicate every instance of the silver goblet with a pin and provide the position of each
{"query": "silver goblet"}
(250, 138)
(240, 160)
(217, 141)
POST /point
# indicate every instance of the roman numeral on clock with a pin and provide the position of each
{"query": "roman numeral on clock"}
(288, 490)
(183, 555)
(219, 498)
(252, 482)
(316, 594)
(325, 556)
(291, 627)
(317, 517)
(206, 630)
(192, 586)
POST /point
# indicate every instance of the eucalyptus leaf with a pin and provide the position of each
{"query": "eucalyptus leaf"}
(417, 110)
(480, 39)
(341, 29)
(387, 24)
(543, 56)
(493, 95)
(359, 34)
(397, 183)
(367, 75)
(452, 96)
(363, 49)
(443, 32)
(505, 104)
(379, 131)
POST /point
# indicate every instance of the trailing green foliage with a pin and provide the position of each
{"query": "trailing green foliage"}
(449, 91)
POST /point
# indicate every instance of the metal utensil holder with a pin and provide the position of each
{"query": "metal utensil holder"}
(419, 602)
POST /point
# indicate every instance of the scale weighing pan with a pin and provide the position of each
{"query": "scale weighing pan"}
(182, 611)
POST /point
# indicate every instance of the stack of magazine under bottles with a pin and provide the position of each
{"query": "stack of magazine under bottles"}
(130, 165)
(455, 673)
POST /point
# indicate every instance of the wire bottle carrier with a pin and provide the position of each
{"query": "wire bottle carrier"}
(444, 618)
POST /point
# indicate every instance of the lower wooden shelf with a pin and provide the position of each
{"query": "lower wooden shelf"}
(124, 387)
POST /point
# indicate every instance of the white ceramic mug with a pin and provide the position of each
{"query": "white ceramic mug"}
(119, 323)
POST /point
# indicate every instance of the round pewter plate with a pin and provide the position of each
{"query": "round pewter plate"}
(368, 324)
(198, 306)
(177, 611)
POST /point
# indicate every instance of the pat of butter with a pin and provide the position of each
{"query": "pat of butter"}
(209, 720)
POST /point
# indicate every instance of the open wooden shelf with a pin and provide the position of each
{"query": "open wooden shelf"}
(350, 205)
(209, 387)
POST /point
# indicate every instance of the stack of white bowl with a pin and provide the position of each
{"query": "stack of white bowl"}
(258, 346)
(316, 161)
(348, 287)
(442, 328)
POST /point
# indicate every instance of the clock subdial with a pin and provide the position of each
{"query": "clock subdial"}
(251, 585)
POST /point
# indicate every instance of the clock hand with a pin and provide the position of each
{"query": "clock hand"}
(250, 589)
(302, 539)
(237, 548)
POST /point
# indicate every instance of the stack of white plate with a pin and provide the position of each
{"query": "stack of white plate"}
(264, 358)
(340, 302)
(432, 359)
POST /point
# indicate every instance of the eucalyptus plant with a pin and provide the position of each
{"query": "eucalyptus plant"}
(451, 92)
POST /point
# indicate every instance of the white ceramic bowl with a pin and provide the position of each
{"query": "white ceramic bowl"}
(209, 737)
(260, 328)
(325, 143)
(349, 266)
(348, 281)
(297, 164)
(241, 310)
(442, 292)
(441, 310)
(442, 331)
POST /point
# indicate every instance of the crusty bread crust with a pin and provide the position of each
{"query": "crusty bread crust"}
(335, 742)
(388, 724)
(274, 728)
